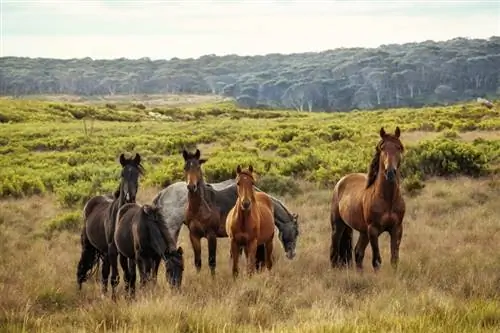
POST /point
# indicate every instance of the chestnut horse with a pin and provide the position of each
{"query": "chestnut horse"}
(250, 222)
(371, 204)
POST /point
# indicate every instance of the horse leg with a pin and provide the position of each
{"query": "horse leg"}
(105, 274)
(268, 254)
(212, 252)
(251, 253)
(373, 233)
(196, 244)
(141, 263)
(126, 273)
(133, 277)
(235, 255)
(260, 257)
(359, 250)
(396, 233)
(113, 261)
(154, 273)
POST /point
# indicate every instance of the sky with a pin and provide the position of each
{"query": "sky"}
(107, 29)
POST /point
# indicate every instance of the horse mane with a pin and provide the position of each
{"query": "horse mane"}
(158, 221)
(373, 168)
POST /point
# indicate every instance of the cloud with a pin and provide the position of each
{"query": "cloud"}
(102, 29)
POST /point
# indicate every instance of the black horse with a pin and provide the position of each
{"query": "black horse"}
(142, 238)
(99, 215)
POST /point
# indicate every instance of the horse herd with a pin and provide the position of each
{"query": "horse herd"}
(116, 228)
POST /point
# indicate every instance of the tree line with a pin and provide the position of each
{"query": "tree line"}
(411, 74)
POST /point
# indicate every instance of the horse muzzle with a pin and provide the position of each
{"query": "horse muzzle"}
(290, 254)
(390, 174)
(245, 205)
(192, 188)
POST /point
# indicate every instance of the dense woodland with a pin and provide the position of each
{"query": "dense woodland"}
(411, 74)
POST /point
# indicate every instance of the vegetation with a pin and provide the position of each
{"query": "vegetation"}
(55, 155)
(412, 74)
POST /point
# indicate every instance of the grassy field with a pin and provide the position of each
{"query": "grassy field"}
(54, 155)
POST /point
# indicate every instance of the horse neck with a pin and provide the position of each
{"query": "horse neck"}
(198, 199)
(386, 189)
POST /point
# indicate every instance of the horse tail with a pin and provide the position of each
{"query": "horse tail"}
(89, 260)
(345, 254)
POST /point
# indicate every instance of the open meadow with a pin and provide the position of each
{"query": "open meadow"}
(54, 155)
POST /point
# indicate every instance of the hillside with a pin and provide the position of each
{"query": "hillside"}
(54, 155)
(412, 74)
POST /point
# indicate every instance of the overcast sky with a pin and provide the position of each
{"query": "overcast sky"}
(166, 29)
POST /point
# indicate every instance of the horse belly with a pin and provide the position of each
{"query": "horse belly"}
(97, 236)
(266, 227)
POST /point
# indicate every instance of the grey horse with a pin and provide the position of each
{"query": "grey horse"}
(173, 199)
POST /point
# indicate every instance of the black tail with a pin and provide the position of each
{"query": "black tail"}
(89, 260)
(345, 254)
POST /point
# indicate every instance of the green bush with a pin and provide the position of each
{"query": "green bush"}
(279, 185)
(444, 157)
(69, 221)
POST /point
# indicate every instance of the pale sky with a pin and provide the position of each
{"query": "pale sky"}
(104, 29)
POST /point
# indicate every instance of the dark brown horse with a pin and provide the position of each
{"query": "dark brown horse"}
(202, 215)
(98, 214)
(142, 238)
(250, 222)
(371, 204)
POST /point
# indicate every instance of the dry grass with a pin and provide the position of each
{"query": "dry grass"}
(448, 281)
(152, 100)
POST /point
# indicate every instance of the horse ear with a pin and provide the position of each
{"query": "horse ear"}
(197, 154)
(295, 216)
(250, 168)
(203, 160)
(180, 250)
(238, 169)
(382, 132)
(123, 160)
(137, 159)
(398, 132)
(185, 154)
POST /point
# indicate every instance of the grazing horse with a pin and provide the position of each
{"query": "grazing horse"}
(371, 204)
(173, 199)
(250, 222)
(96, 212)
(142, 238)
(202, 215)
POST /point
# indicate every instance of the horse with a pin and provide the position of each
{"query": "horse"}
(172, 200)
(370, 203)
(203, 217)
(96, 212)
(250, 222)
(142, 238)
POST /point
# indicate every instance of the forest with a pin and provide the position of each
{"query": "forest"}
(407, 75)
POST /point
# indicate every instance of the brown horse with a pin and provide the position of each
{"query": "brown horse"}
(250, 222)
(98, 214)
(142, 238)
(202, 215)
(371, 204)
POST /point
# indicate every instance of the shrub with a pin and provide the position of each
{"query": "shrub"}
(444, 157)
(278, 185)
(69, 221)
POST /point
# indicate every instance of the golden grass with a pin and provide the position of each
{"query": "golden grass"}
(448, 281)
